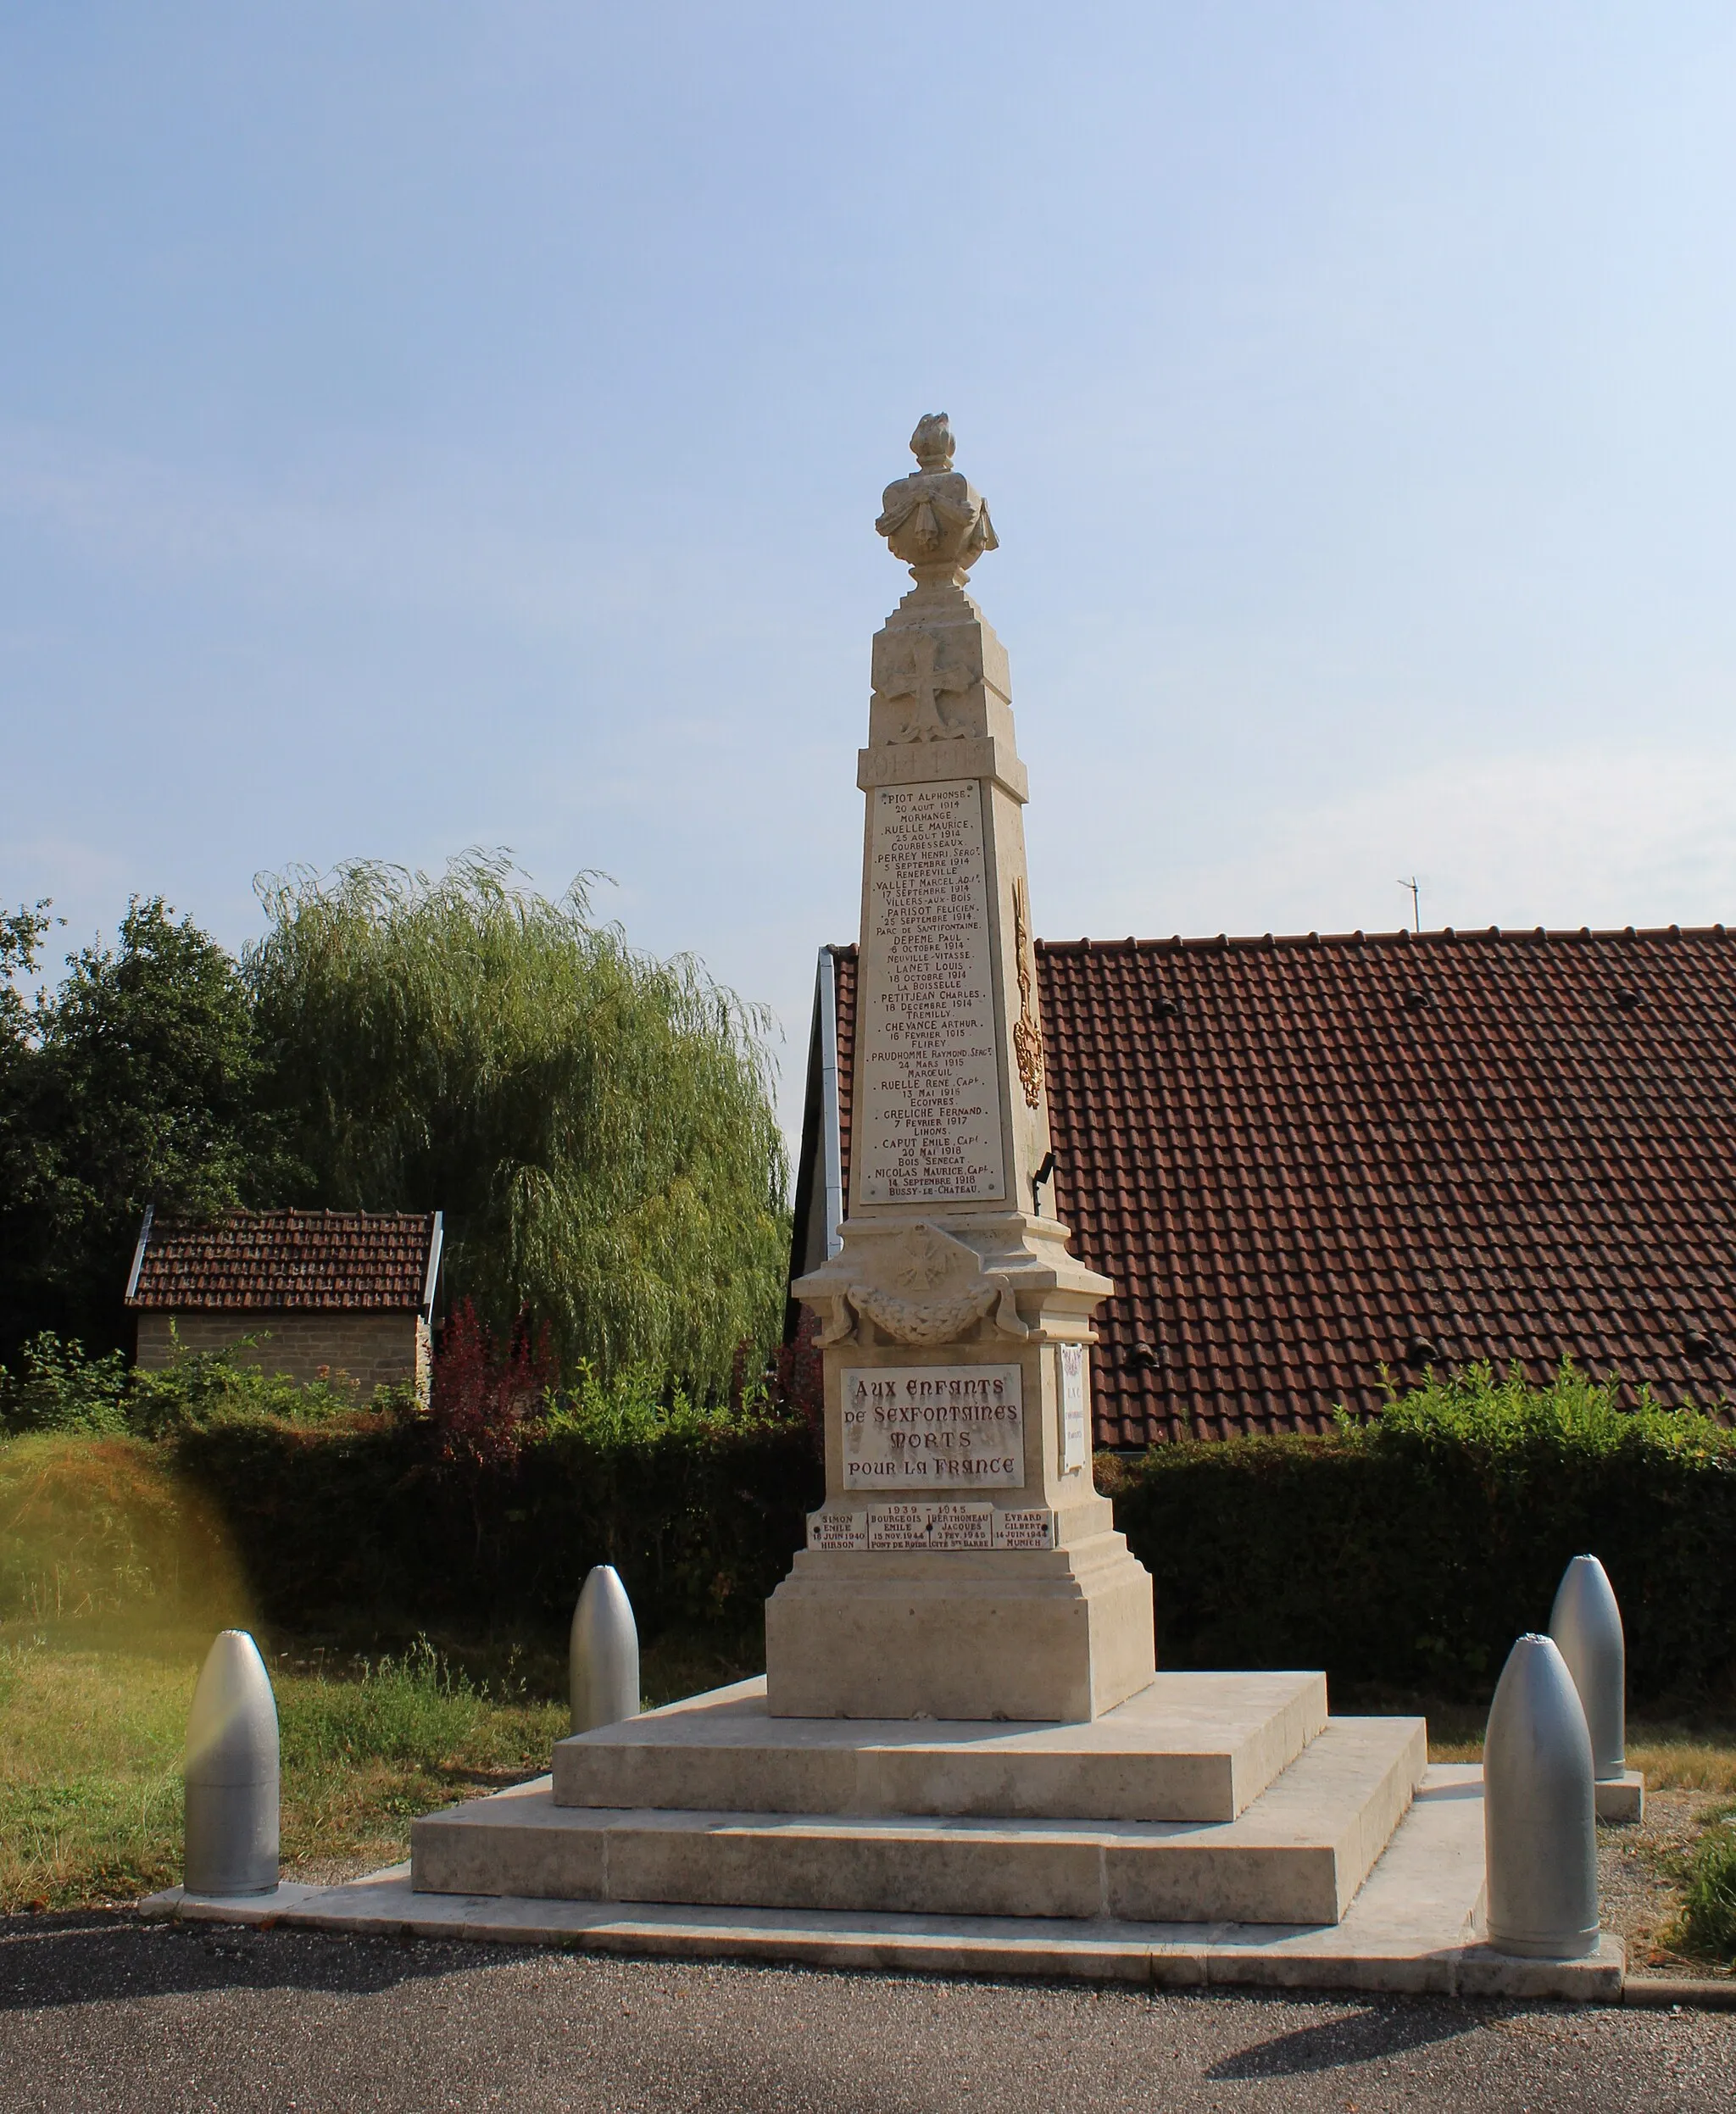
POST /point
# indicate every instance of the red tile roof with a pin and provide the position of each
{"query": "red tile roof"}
(363, 1261)
(1302, 1161)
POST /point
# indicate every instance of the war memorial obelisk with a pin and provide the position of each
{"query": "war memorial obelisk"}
(963, 1565)
(959, 1717)
(961, 1758)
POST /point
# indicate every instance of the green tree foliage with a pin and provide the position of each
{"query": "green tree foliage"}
(135, 1082)
(23, 1163)
(21, 941)
(596, 1124)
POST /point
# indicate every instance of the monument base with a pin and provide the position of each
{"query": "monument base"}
(962, 1819)
(1054, 1633)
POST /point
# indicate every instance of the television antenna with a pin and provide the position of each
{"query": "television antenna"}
(1415, 901)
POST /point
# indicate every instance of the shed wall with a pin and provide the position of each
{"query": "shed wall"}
(380, 1350)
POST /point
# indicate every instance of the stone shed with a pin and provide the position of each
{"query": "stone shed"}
(320, 1294)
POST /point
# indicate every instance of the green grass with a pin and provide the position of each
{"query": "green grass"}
(90, 1735)
(1707, 1923)
(114, 1578)
(92, 1717)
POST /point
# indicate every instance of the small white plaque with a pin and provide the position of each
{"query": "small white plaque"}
(933, 1427)
(961, 1526)
(838, 1530)
(1074, 1428)
(898, 1526)
(1033, 1529)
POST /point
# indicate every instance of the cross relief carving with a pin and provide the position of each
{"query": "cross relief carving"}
(923, 681)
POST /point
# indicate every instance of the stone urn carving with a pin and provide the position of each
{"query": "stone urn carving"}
(935, 520)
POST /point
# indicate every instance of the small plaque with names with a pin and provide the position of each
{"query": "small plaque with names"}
(949, 1528)
(1033, 1529)
(898, 1526)
(933, 1427)
(838, 1530)
(1074, 1426)
(960, 1527)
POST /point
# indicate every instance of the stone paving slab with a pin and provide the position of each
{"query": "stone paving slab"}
(1412, 1928)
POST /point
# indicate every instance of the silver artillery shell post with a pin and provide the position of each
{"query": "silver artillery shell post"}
(602, 1660)
(1586, 1624)
(231, 1772)
(1539, 1824)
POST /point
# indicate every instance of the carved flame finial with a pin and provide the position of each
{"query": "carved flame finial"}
(931, 443)
(933, 520)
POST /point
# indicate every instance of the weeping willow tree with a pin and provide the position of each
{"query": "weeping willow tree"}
(596, 1124)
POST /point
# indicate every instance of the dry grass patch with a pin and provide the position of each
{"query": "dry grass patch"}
(1670, 1757)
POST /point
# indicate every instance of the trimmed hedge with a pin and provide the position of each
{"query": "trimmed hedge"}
(369, 1526)
(1405, 1555)
(1408, 1554)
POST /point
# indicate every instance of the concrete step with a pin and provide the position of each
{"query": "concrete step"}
(1191, 1747)
(1296, 1855)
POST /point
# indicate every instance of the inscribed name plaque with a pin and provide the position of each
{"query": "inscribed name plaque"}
(1074, 1451)
(947, 1528)
(928, 1122)
(932, 1428)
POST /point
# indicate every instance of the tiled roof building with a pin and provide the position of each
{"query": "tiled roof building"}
(1309, 1161)
(320, 1293)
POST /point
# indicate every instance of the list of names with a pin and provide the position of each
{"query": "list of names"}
(928, 1122)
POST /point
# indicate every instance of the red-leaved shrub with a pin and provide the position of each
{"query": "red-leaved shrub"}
(482, 1405)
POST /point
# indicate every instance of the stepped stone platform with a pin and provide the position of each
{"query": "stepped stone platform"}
(1206, 1798)
(1297, 1855)
(1414, 1928)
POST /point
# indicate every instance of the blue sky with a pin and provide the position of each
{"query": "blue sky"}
(426, 425)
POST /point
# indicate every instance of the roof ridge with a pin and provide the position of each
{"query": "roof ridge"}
(1217, 942)
(318, 1213)
(1528, 935)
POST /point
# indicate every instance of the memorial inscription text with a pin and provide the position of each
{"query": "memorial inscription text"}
(933, 1427)
(959, 1528)
(929, 1114)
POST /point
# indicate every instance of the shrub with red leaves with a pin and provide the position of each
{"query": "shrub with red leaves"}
(795, 1378)
(482, 1406)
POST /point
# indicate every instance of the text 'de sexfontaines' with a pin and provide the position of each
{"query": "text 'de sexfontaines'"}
(933, 1427)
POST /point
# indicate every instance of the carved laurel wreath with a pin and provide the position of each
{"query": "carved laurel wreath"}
(924, 1321)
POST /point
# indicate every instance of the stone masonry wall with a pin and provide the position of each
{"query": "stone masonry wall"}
(377, 1349)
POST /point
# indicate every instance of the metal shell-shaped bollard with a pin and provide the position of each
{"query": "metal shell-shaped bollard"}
(231, 1772)
(1586, 1624)
(1539, 1823)
(602, 1659)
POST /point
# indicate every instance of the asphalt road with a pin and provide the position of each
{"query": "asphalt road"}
(99, 2011)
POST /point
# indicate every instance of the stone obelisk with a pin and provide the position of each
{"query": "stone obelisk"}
(963, 1565)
